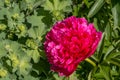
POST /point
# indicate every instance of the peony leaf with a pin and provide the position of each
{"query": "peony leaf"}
(101, 46)
(108, 32)
(116, 14)
(113, 55)
(105, 70)
(95, 8)
(110, 49)
(93, 73)
(98, 75)
(87, 3)
(96, 23)
(115, 61)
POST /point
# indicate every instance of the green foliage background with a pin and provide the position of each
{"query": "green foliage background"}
(24, 24)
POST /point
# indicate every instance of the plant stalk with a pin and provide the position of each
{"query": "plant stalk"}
(90, 61)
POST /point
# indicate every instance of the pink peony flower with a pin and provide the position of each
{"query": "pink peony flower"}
(69, 42)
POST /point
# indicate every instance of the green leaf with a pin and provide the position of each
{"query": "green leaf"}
(90, 75)
(29, 77)
(24, 66)
(108, 32)
(59, 5)
(87, 3)
(38, 27)
(108, 1)
(101, 46)
(42, 67)
(117, 44)
(95, 23)
(3, 12)
(115, 61)
(48, 5)
(36, 32)
(105, 70)
(110, 49)
(5, 78)
(99, 76)
(56, 3)
(47, 19)
(32, 33)
(1, 3)
(116, 14)
(34, 54)
(35, 20)
(63, 5)
(116, 33)
(16, 9)
(38, 3)
(12, 46)
(93, 73)
(95, 8)
(23, 5)
(114, 55)
(3, 52)
(2, 36)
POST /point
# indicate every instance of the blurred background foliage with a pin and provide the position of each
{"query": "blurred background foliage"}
(24, 24)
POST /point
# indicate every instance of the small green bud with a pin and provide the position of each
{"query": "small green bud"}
(40, 38)
(56, 13)
(21, 28)
(8, 48)
(3, 72)
(14, 59)
(15, 16)
(7, 2)
(22, 64)
(10, 36)
(30, 43)
(2, 27)
(30, 7)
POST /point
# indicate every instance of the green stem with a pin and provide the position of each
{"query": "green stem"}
(70, 77)
(90, 61)
(94, 58)
(67, 78)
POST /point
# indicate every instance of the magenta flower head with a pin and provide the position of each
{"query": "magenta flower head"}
(69, 42)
